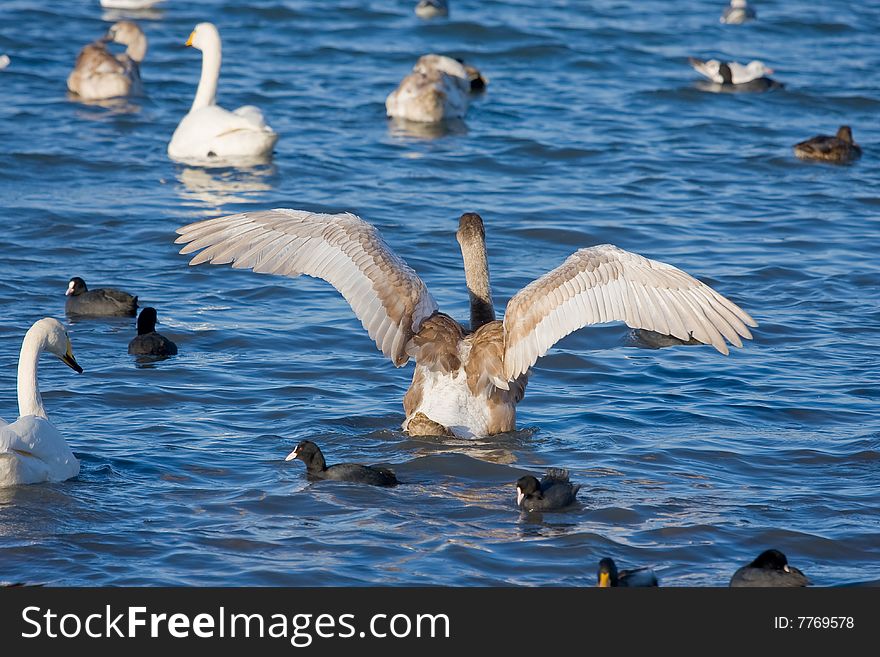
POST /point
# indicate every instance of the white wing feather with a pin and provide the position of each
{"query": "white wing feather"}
(385, 293)
(605, 284)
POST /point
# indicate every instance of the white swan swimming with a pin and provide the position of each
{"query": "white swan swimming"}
(438, 88)
(98, 74)
(432, 8)
(209, 133)
(467, 382)
(737, 12)
(31, 449)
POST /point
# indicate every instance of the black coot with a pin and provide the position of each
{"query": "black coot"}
(316, 468)
(102, 302)
(147, 342)
(553, 492)
(770, 568)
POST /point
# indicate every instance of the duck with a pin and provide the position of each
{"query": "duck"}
(839, 149)
(32, 450)
(738, 12)
(608, 575)
(432, 8)
(210, 134)
(99, 75)
(147, 342)
(316, 468)
(730, 72)
(439, 88)
(552, 493)
(468, 379)
(103, 302)
(769, 569)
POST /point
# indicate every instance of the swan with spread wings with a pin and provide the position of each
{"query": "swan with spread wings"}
(467, 381)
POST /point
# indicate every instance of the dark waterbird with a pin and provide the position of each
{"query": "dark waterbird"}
(553, 492)
(770, 568)
(103, 302)
(838, 149)
(317, 468)
(147, 342)
(608, 575)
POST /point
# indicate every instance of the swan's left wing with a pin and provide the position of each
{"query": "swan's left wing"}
(605, 284)
(385, 293)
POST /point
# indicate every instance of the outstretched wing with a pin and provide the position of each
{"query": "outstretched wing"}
(605, 284)
(385, 293)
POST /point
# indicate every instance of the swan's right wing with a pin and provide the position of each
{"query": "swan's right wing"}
(604, 284)
(385, 293)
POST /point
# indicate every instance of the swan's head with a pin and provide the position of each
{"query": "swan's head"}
(607, 573)
(470, 229)
(526, 487)
(432, 8)
(758, 69)
(203, 36)
(52, 337)
(129, 34)
(76, 286)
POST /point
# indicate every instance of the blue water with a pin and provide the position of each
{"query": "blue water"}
(592, 130)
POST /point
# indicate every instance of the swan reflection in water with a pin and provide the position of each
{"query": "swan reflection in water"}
(216, 187)
(403, 129)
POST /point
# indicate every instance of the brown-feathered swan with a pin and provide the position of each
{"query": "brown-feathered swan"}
(467, 383)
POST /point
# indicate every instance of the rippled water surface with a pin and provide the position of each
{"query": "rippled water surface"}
(592, 130)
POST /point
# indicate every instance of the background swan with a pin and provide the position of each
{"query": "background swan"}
(31, 449)
(98, 74)
(467, 382)
(737, 12)
(438, 88)
(432, 8)
(209, 132)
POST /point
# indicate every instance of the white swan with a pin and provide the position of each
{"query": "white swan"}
(432, 8)
(467, 382)
(209, 133)
(31, 449)
(737, 12)
(438, 88)
(98, 74)
(730, 72)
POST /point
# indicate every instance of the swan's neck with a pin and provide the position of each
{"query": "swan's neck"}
(29, 400)
(472, 240)
(207, 91)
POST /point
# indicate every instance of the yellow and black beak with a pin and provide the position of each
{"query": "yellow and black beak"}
(192, 35)
(70, 361)
(604, 580)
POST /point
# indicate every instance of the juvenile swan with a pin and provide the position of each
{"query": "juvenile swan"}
(467, 382)
(31, 449)
(98, 75)
(209, 133)
(438, 88)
